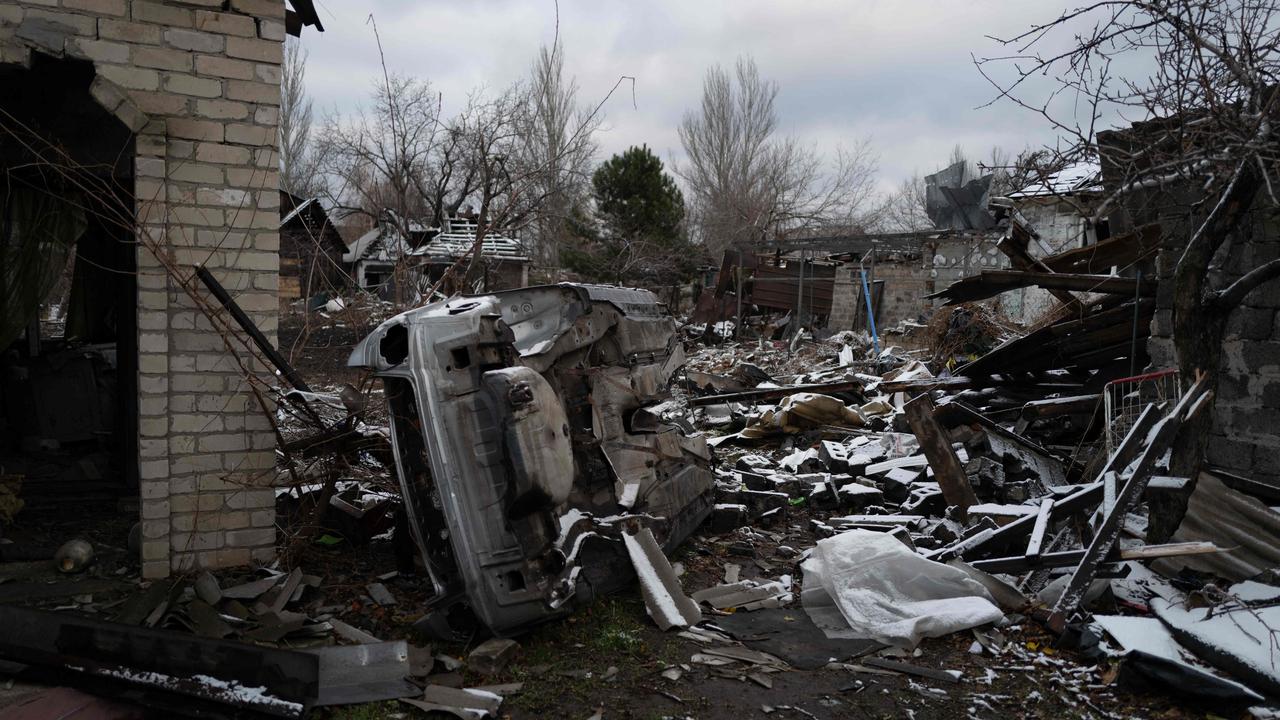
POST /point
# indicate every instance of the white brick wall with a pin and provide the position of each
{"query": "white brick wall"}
(201, 85)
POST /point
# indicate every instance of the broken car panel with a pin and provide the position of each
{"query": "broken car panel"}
(522, 441)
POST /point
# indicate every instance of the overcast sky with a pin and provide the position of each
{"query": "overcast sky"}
(898, 72)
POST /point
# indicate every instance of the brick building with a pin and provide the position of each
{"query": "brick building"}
(173, 106)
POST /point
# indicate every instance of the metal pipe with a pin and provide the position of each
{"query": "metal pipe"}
(1133, 346)
(871, 316)
(219, 292)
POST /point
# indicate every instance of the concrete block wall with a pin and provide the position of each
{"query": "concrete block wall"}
(1247, 402)
(909, 276)
(199, 80)
(846, 291)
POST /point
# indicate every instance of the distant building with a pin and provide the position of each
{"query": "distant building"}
(427, 254)
(1059, 208)
(311, 250)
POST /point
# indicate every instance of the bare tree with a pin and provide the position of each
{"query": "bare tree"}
(517, 159)
(558, 139)
(1202, 78)
(299, 173)
(380, 159)
(744, 184)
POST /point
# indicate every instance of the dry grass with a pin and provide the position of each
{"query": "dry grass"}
(966, 330)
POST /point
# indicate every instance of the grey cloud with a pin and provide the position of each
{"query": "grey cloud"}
(899, 72)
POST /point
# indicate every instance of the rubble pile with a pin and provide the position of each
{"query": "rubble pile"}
(965, 331)
(984, 497)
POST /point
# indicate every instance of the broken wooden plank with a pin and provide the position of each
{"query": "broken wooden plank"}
(1038, 530)
(1118, 251)
(936, 444)
(1056, 345)
(950, 676)
(1014, 247)
(1057, 407)
(990, 283)
(1013, 533)
(1121, 457)
(1067, 558)
(779, 393)
(924, 385)
(1135, 478)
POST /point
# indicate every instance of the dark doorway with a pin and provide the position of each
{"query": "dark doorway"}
(68, 293)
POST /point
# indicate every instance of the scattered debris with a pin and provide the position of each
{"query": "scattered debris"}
(492, 656)
(666, 602)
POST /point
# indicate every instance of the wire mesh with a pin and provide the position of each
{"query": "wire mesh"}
(1124, 399)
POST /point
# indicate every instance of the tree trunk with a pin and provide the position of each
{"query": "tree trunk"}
(1198, 329)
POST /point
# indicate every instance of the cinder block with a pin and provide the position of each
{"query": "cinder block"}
(100, 7)
(162, 58)
(155, 550)
(134, 78)
(198, 382)
(102, 51)
(259, 8)
(192, 129)
(252, 537)
(229, 442)
(71, 23)
(197, 423)
(197, 173)
(161, 103)
(222, 110)
(245, 134)
(267, 51)
(268, 73)
(194, 40)
(271, 30)
(224, 154)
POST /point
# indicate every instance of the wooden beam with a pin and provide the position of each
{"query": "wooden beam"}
(936, 444)
(1067, 558)
(1155, 443)
(1005, 537)
(990, 283)
(1021, 260)
(1039, 529)
(779, 393)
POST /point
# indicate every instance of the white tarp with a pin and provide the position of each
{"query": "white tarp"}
(869, 586)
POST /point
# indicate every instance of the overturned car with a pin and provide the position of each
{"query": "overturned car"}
(525, 445)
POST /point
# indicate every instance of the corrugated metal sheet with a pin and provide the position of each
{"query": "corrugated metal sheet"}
(777, 287)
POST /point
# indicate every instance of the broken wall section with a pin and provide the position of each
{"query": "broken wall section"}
(200, 86)
(1247, 399)
(911, 266)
